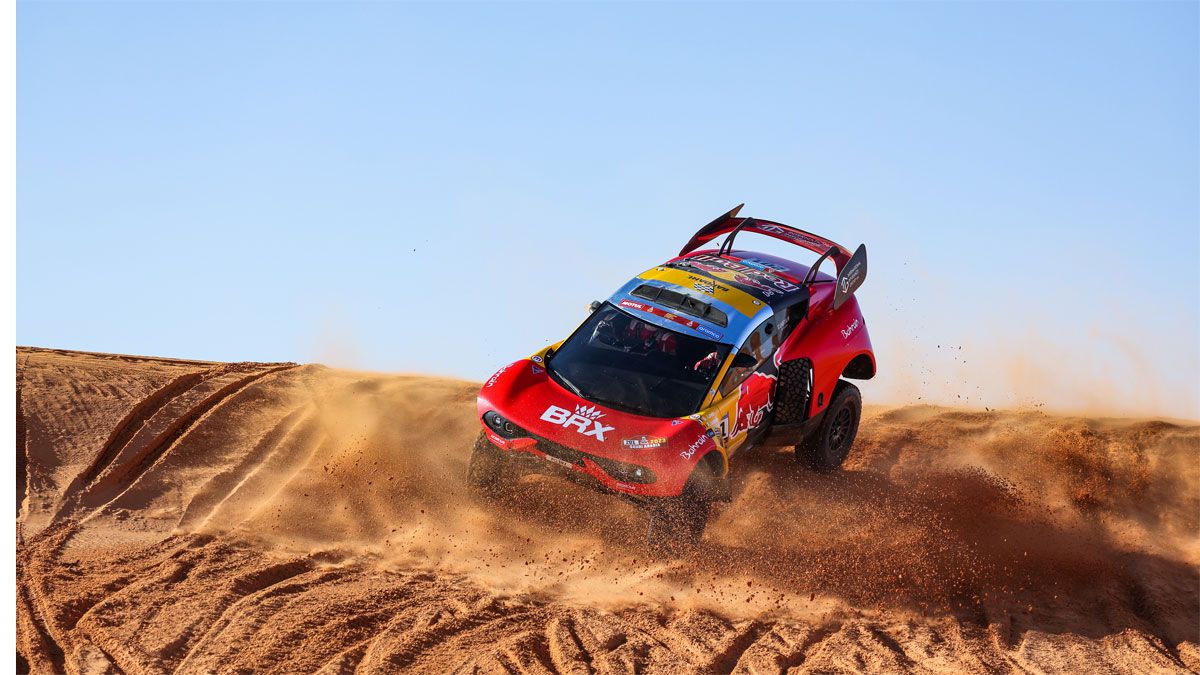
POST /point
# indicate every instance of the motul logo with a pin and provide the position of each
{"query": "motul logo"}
(585, 420)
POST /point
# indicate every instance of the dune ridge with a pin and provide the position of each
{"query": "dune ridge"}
(186, 516)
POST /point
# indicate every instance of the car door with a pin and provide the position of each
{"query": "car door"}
(746, 393)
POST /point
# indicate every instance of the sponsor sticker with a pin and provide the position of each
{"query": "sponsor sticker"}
(585, 420)
(764, 264)
(704, 330)
(850, 277)
(650, 309)
(492, 380)
(794, 235)
(696, 445)
(753, 277)
(535, 359)
(561, 462)
(849, 330)
(632, 305)
(644, 442)
(702, 283)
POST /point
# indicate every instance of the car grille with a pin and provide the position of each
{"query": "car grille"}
(561, 452)
(618, 470)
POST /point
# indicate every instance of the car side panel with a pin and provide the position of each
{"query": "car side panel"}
(830, 339)
(735, 417)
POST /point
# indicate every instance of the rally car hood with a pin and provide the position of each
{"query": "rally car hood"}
(526, 396)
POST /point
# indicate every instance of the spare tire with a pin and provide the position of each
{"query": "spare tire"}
(793, 391)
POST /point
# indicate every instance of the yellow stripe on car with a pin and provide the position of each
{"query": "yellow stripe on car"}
(740, 300)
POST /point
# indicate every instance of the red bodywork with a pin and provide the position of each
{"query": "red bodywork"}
(831, 343)
(831, 339)
(523, 393)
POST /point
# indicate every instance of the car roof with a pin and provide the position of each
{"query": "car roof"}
(746, 287)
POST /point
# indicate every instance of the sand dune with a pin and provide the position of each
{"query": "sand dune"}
(197, 517)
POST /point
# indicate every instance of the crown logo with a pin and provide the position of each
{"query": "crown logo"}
(588, 411)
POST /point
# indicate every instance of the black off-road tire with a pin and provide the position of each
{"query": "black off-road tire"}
(676, 524)
(830, 443)
(486, 472)
(792, 392)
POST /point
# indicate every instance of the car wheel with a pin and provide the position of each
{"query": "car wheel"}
(486, 470)
(828, 447)
(676, 524)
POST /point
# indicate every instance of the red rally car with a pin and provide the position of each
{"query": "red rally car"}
(689, 364)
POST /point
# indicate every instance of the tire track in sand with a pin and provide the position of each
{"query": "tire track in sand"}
(277, 459)
(45, 648)
(251, 585)
(229, 603)
(123, 432)
(222, 487)
(106, 472)
(284, 584)
(162, 431)
(118, 465)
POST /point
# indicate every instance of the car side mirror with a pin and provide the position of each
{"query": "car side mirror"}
(593, 306)
(743, 360)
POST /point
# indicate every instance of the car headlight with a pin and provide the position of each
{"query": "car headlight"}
(496, 422)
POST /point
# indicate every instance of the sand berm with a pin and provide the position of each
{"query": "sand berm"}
(194, 517)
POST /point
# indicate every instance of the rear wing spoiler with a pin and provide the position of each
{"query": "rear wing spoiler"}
(850, 276)
(730, 222)
(852, 269)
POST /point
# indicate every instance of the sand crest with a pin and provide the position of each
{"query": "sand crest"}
(183, 516)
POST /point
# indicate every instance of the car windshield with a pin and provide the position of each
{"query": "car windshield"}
(618, 360)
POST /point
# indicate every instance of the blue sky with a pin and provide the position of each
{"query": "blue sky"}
(443, 188)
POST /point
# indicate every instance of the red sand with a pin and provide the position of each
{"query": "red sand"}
(197, 517)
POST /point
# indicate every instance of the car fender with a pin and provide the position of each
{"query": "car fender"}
(831, 339)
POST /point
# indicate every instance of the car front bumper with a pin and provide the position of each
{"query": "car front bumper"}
(543, 456)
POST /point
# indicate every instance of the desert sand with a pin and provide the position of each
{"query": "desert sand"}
(184, 516)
